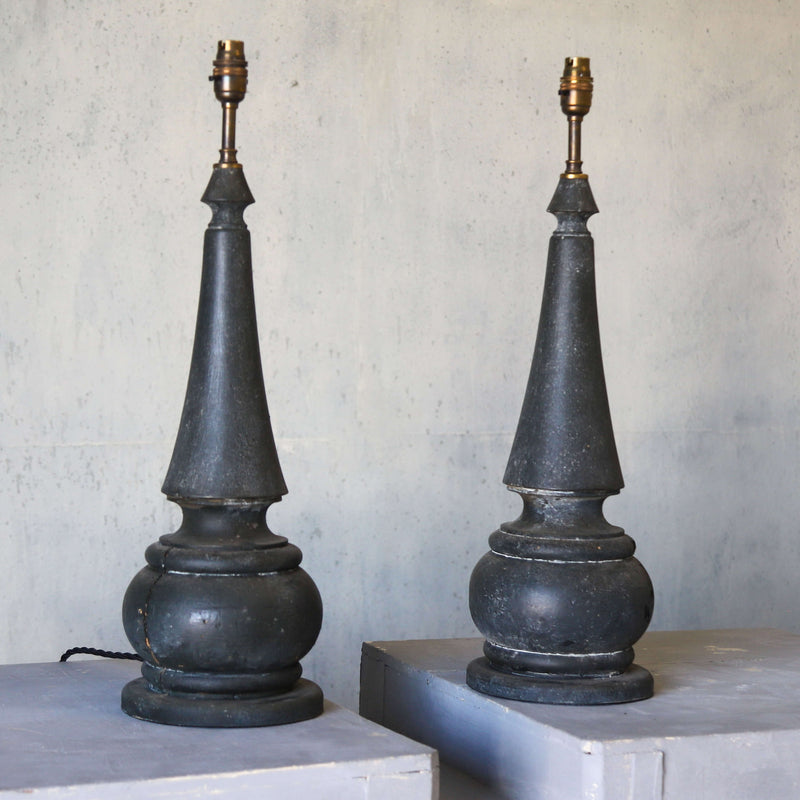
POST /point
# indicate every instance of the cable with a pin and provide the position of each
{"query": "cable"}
(91, 651)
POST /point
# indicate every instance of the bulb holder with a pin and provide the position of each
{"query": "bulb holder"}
(575, 91)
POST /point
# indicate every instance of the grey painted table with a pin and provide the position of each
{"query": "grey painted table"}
(724, 722)
(62, 734)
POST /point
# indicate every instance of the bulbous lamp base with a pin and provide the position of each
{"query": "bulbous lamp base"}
(560, 600)
(221, 626)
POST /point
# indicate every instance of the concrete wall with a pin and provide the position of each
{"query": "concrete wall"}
(402, 156)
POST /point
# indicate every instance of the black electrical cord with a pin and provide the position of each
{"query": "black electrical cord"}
(91, 651)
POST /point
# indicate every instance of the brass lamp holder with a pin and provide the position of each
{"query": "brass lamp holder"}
(575, 92)
(230, 85)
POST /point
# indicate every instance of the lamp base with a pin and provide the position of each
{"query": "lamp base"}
(206, 710)
(635, 683)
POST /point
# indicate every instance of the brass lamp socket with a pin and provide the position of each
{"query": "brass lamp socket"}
(230, 85)
(230, 72)
(575, 91)
(576, 87)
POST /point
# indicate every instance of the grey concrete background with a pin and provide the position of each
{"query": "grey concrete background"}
(402, 156)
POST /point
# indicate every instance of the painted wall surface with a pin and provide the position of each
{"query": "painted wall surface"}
(402, 155)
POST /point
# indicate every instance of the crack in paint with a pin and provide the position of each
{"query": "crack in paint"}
(154, 658)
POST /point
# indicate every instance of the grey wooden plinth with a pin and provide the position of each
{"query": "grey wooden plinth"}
(724, 722)
(63, 734)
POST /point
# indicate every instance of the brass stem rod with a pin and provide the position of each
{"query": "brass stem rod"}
(574, 162)
(227, 152)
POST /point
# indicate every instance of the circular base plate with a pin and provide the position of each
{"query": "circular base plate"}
(635, 683)
(205, 710)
